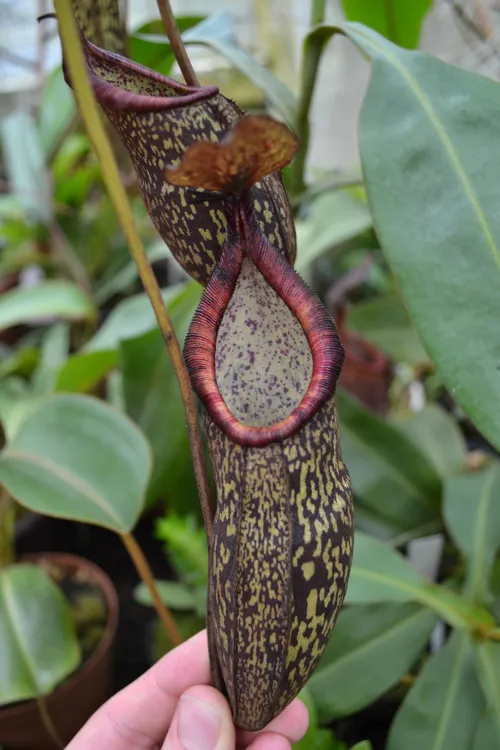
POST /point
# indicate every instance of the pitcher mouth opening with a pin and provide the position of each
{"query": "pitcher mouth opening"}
(246, 244)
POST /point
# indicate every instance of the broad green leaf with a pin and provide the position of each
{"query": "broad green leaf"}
(365, 745)
(172, 593)
(50, 299)
(56, 112)
(333, 219)
(472, 514)
(134, 316)
(430, 147)
(384, 322)
(393, 479)
(380, 574)
(77, 458)
(153, 401)
(486, 735)
(437, 435)
(371, 648)
(216, 33)
(398, 20)
(39, 644)
(487, 657)
(84, 370)
(25, 166)
(442, 709)
(316, 738)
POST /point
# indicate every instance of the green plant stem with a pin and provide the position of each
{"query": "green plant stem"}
(48, 723)
(7, 520)
(309, 71)
(91, 117)
(175, 39)
(146, 575)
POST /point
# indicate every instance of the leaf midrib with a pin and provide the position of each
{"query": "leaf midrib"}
(447, 143)
(75, 482)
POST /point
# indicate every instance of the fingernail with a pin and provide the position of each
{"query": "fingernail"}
(198, 724)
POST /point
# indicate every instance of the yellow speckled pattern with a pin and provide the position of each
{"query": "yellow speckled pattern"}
(156, 134)
(101, 23)
(279, 561)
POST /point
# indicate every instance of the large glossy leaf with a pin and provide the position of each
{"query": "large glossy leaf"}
(37, 636)
(153, 401)
(134, 316)
(398, 20)
(54, 352)
(392, 477)
(24, 163)
(385, 323)
(443, 708)
(370, 649)
(380, 574)
(434, 432)
(487, 657)
(486, 735)
(58, 299)
(472, 514)
(430, 145)
(216, 33)
(77, 458)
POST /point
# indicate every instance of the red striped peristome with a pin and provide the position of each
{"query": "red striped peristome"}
(245, 239)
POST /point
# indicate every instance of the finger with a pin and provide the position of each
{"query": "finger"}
(139, 716)
(292, 724)
(202, 721)
(269, 741)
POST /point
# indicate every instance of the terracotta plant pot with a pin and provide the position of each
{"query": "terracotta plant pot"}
(72, 702)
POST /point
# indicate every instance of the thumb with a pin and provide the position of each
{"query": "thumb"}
(202, 721)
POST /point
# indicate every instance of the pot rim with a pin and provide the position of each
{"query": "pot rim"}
(101, 579)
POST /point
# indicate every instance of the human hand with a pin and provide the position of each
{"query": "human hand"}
(172, 707)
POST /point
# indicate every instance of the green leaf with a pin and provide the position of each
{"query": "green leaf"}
(134, 316)
(84, 370)
(371, 648)
(443, 707)
(365, 745)
(216, 33)
(315, 738)
(54, 352)
(437, 435)
(56, 112)
(333, 219)
(119, 281)
(25, 166)
(186, 547)
(384, 322)
(172, 593)
(398, 20)
(153, 401)
(393, 478)
(487, 657)
(486, 735)
(157, 54)
(380, 574)
(430, 148)
(39, 645)
(77, 458)
(17, 401)
(472, 514)
(59, 299)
